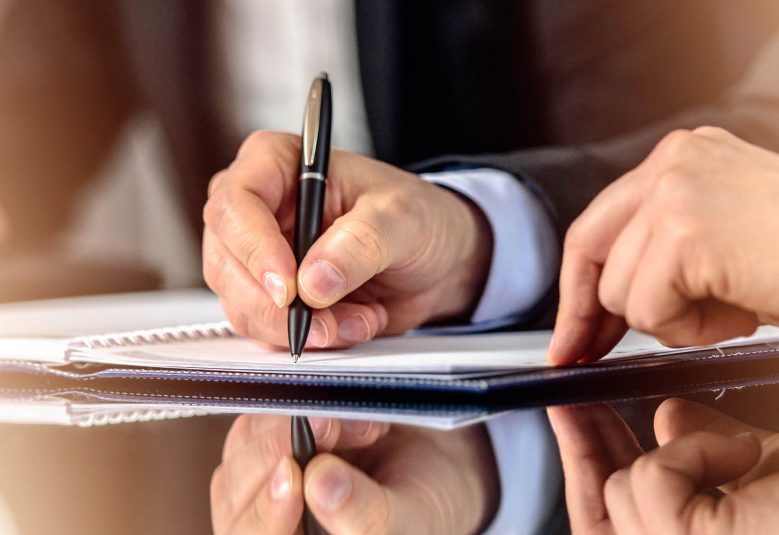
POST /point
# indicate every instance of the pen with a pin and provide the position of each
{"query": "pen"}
(311, 196)
(314, 158)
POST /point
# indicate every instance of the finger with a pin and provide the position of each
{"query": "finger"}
(678, 417)
(586, 248)
(277, 506)
(584, 331)
(249, 428)
(621, 264)
(356, 247)
(594, 442)
(247, 228)
(751, 509)
(621, 505)
(608, 333)
(249, 308)
(230, 280)
(666, 481)
(251, 457)
(658, 305)
(346, 500)
(358, 323)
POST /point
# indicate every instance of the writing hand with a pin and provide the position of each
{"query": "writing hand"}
(396, 251)
(676, 248)
(383, 481)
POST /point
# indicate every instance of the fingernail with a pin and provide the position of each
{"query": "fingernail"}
(282, 480)
(320, 427)
(358, 428)
(317, 336)
(331, 488)
(322, 281)
(276, 288)
(354, 329)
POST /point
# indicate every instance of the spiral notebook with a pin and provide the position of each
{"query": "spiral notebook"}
(71, 350)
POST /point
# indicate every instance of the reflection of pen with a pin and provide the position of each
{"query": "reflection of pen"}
(304, 449)
(308, 226)
(311, 197)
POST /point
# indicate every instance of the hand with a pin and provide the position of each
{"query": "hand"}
(678, 248)
(613, 487)
(397, 252)
(384, 481)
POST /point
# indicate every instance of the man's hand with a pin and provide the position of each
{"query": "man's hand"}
(612, 487)
(396, 251)
(383, 481)
(679, 248)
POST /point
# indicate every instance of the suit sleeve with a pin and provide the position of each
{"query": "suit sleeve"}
(566, 178)
(63, 99)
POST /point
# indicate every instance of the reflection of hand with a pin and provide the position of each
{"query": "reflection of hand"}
(677, 247)
(613, 487)
(396, 251)
(384, 480)
(5, 230)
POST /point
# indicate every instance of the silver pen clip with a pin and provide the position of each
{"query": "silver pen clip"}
(311, 119)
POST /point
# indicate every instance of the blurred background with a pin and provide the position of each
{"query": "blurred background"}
(114, 114)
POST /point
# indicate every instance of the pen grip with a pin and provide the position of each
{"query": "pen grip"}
(308, 224)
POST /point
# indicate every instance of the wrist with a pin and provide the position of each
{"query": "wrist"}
(471, 244)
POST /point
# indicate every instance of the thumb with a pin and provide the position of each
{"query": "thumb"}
(357, 246)
(346, 500)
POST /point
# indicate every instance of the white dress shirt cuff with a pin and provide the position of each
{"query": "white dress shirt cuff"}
(530, 473)
(525, 255)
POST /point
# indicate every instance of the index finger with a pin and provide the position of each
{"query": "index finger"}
(594, 442)
(247, 211)
(583, 328)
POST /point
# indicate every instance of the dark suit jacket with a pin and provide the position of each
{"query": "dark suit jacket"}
(573, 93)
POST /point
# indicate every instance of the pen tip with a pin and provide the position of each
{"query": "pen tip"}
(323, 75)
(295, 357)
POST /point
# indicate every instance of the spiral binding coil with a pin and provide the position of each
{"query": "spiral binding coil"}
(181, 333)
(142, 415)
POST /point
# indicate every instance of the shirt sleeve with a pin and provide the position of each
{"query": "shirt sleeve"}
(530, 473)
(526, 251)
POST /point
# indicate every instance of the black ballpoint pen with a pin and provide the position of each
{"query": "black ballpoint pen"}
(315, 156)
(311, 196)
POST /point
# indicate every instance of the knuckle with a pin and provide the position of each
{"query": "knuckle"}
(712, 131)
(613, 485)
(217, 486)
(213, 270)
(675, 144)
(646, 471)
(644, 319)
(610, 298)
(575, 236)
(675, 184)
(214, 210)
(251, 255)
(239, 433)
(258, 138)
(237, 320)
(366, 244)
(216, 181)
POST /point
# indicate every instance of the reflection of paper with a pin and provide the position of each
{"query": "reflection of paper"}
(50, 409)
